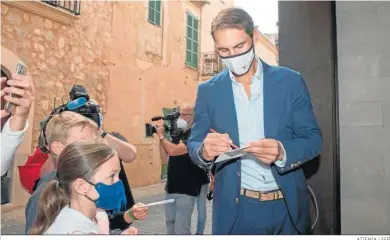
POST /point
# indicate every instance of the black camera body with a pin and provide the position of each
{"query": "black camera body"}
(91, 111)
(172, 117)
(174, 132)
(151, 129)
(78, 103)
(78, 91)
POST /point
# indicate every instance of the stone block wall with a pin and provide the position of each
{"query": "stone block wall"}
(60, 55)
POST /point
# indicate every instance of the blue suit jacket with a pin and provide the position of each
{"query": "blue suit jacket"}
(288, 118)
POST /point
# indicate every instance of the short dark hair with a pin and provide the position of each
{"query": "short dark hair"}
(233, 18)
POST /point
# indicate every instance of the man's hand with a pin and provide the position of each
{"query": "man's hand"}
(215, 144)
(130, 231)
(139, 211)
(21, 86)
(266, 150)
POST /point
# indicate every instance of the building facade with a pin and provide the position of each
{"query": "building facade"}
(136, 58)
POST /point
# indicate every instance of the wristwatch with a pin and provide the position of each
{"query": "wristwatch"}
(103, 135)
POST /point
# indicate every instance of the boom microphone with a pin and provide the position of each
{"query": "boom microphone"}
(157, 118)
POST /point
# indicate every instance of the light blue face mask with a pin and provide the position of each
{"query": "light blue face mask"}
(111, 197)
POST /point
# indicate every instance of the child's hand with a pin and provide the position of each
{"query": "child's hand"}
(130, 231)
(139, 211)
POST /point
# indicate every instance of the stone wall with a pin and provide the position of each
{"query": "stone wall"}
(130, 66)
(364, 110)
(209, 12)
(266, 50)
(147, 73)
(60, 55)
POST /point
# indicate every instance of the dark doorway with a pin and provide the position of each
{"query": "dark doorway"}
(307, 44)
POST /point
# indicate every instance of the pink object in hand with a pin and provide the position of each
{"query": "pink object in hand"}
(102, 221)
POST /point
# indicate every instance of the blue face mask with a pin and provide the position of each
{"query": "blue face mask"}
(111, 197)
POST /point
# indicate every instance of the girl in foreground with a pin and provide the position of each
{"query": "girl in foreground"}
(87, 181)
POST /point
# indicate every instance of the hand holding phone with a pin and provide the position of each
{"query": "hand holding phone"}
(4, 113)
(18, 95)
(21, 69)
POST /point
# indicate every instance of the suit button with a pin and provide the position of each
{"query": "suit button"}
(238, 174)
(237, 200)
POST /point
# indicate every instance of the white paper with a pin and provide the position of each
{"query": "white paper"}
(160, 203)
(236, 153)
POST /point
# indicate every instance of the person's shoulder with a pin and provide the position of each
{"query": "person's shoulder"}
(43, 181)
(291, 78)
(212, 81)
(48, 177)
(73, 230)
(40, 186)
(70, 221)
(285, 71)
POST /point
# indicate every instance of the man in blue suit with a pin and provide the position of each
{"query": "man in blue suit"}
(268, 110)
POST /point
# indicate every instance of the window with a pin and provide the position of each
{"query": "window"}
(71, 6)
(192, 41)
(64, 12)
(154, 12)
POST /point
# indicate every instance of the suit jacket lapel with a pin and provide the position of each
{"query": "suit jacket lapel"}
(228, 115)
(273, 104)
(273, 101)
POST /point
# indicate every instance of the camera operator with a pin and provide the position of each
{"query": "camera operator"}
(184, 177)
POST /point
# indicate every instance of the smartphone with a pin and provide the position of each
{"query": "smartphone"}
(21, 69)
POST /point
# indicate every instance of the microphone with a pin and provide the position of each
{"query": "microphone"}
(157, 118)
(77, 103)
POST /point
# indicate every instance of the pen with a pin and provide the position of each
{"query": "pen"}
(232, 144)
(160, 203)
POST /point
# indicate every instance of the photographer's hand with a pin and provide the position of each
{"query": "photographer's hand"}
(160, 134)
(160, 131)
(126, 151)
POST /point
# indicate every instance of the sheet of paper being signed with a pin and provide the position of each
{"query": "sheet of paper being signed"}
(236, 153)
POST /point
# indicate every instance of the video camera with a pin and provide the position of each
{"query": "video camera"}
(78, 103)
(174, 132)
